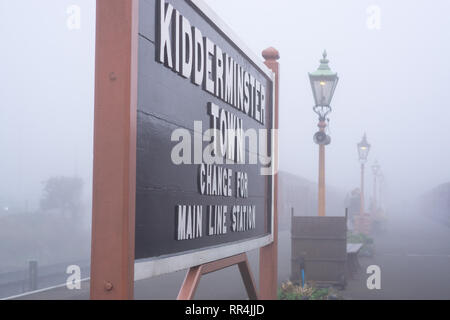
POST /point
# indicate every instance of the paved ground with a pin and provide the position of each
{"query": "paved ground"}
(414, 257)
(413, 254)
(222, 285)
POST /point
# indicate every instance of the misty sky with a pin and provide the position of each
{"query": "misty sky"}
(394, 85)
(47, 97)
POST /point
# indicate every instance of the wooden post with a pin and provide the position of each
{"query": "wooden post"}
(268, 255)
(114, 176)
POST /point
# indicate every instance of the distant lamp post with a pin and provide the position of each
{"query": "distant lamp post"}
(363, 152)
(380, 190)
(376, 173)
(323, 83)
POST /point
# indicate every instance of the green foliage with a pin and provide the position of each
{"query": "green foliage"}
(367, 242)
(358, 238)
(63, 194)
(320, 294)
(289, 291)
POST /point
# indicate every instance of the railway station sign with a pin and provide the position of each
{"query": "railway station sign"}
(204, 169)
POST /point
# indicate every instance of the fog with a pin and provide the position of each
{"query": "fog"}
(393, 86)
(46, 130)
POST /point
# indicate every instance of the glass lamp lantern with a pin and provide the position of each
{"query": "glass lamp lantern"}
(376, 169)
(363, 149)
(323, 83)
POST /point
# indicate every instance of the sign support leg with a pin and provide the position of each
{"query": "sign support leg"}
(194, 275)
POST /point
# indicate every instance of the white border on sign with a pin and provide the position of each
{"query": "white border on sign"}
(155, 266)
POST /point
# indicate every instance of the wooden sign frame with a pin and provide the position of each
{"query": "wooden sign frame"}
(114, 173)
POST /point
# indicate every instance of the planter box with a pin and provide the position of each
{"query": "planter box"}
(320, 245)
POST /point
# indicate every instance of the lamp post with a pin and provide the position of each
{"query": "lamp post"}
(323, 83)
(363, 152)
(376, 173)
(380, 190)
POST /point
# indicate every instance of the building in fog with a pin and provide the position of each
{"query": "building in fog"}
(436, 203)
(299, 195)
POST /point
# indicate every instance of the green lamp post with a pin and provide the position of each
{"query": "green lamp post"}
(363, 152)
(323, 83)
(376, 168)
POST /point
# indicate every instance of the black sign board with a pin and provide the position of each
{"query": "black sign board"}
(204, 138)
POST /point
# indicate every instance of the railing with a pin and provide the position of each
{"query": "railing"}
(35, 277)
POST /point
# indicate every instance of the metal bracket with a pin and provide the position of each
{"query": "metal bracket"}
(193, 276)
